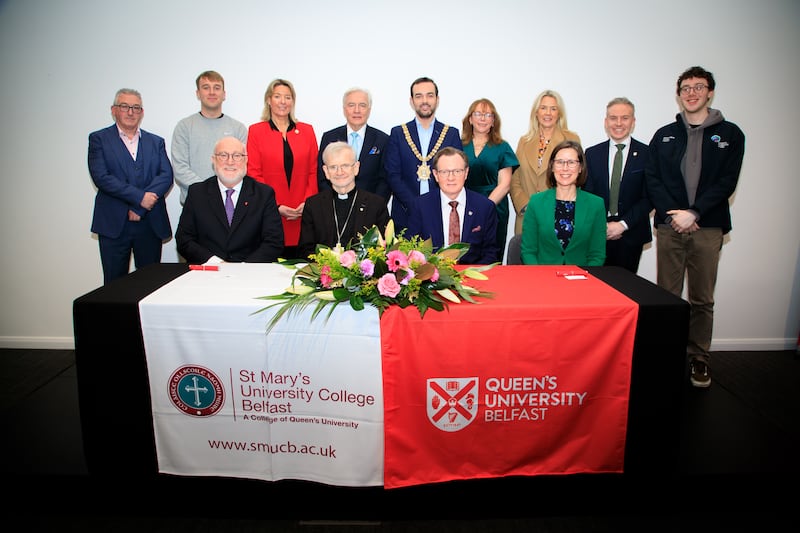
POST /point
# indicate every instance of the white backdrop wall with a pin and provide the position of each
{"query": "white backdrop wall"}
(62, 62)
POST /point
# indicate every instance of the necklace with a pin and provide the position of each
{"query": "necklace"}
(542, 147)
(423, 170)
(339, 232)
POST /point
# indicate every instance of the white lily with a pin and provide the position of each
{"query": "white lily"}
(447, 294)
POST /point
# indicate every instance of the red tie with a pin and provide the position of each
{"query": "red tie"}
(454, 235)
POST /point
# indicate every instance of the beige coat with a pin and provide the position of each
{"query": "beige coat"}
(529, 178)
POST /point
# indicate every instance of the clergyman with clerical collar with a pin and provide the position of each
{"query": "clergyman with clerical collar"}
(334, 217)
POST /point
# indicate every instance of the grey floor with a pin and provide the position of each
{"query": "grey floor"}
(739, 464)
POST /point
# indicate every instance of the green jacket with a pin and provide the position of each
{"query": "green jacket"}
(587, 247)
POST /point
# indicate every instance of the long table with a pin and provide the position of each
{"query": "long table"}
(115, 403)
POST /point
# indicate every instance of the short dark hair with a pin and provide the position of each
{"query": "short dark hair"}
(696, 72)
(424, 79)
(575, 145)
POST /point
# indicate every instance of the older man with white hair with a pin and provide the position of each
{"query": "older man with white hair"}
(230, 217)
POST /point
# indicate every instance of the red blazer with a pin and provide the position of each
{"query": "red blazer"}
(265, 164)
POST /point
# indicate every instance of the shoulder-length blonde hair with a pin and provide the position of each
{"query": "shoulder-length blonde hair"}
(266, 114)
(533, 127)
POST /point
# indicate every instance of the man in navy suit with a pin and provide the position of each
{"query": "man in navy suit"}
(476, 214)
(411, 148)
(132, 173)
(254, 233)
(628, 228)
(369, 143)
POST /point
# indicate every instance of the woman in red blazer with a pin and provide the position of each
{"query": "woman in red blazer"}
(282, 153)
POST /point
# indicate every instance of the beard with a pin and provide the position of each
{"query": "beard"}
(426, 114)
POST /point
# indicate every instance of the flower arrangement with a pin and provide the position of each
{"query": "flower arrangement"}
(380, 270)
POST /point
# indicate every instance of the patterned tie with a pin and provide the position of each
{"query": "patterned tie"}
(355, 142)
(454, 234)
(616, 174)
(229, 205)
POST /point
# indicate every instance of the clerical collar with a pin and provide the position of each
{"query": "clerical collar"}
(344, 196)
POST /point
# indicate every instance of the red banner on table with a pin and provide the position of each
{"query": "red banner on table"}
(532, 381)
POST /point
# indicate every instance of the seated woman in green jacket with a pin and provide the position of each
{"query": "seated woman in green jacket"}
(565, 225)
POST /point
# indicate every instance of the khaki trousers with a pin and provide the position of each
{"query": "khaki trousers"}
(695, 257)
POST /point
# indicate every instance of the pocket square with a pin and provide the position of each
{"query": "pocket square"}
(374, 150)
(476, 229)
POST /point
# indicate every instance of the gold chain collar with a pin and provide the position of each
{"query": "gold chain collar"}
(423, 170)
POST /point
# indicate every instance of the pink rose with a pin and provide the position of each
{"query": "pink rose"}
(416, 256)
(388, 286)
(347, 259)
(435, 275)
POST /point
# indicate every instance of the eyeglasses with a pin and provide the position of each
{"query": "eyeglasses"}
(456, 172)
(569, 163)
(686, 89)
(335, 168)
(125, 108)
(478, 115)
(225, 156)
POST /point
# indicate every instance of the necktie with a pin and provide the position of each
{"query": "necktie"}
(454, 234)
(355, 142)
(229, 205)
(616, 174)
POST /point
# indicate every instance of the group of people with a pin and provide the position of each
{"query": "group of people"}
(271, 191)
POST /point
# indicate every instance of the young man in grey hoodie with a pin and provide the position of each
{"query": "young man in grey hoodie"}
(692, 172)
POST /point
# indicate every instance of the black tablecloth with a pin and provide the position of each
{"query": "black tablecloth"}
(116, 416)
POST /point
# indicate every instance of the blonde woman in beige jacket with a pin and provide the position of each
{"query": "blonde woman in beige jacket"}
(548, 127)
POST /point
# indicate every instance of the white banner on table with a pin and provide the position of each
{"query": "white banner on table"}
(304, 402)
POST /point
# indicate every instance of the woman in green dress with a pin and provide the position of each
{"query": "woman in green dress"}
(491, 161)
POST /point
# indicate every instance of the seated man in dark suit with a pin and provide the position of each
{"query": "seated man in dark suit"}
(369, 144)
(336, 216)
(438, 215)
(230, 217)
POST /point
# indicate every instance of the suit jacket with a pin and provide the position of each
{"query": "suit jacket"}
(265, 164)
(401, 167)
(371, 173)
(479, 227)
(587, 247)
(319, 226)
(634, 206)
(254, 236)
(121, 182)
